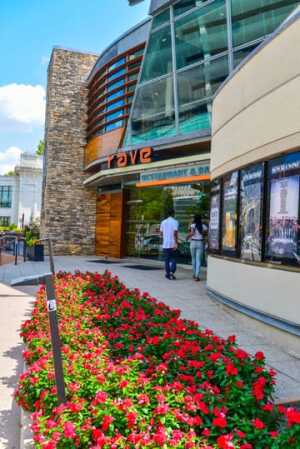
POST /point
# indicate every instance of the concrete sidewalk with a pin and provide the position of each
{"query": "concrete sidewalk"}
(14, 309)
(281, 349)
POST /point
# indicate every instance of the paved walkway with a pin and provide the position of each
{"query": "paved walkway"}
(14, 309)
(192, 299)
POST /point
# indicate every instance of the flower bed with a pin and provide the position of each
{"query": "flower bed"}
(139, 376)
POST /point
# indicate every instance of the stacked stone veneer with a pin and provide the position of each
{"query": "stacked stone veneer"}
(68, 208)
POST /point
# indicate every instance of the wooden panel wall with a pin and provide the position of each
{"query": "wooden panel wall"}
(109, 225)
(104, 145)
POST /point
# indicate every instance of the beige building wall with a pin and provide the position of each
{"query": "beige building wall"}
(256, 116)
(256, 113)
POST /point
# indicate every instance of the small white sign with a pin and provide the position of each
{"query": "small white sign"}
(51, 305)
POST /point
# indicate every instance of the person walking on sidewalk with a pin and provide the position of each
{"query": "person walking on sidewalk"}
(197, 245)
(169, 232)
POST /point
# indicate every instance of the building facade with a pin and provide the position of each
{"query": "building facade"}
(21, 193)
(255, 169)
(128, 133)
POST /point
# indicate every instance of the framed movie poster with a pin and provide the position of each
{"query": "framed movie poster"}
(230, 204)
(251, 197)
(284, 194)
(215, 214)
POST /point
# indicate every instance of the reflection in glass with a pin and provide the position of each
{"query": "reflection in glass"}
(146, 208)
(252, 19)
(201, 81)
(5, 196)
(116, 74)
(195, 117)
(185, 5)
(115, 85)
(161, 19)
(153, 114)
(114, 115)
(283, 242)
(250, 213)
(114, 125)
(116, 64)
(117, 94)
(201, 34)
(230, 196)
(158, 59)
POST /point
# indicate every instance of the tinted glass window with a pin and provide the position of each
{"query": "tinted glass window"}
(185, 5)
(5, 196)
(113, 126)
(117, 94)
(230, 196)
(114, 115)
(153, 114)
(113, 86)
(251, 197)
(117, 64)
(240, 55)
(116, 74)
(252, 19)
(201, 34)
(202, 81)
(283, 222)
(115, 105)
(195, 117)
(161, 19)
(158, 59)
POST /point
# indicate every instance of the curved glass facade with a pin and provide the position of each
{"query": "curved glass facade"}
(192, 48)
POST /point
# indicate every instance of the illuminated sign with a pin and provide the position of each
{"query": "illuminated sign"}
(134, 157)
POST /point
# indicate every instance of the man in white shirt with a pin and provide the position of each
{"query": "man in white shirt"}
(169, 232)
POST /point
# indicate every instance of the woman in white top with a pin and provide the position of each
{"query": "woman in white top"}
(197, 244)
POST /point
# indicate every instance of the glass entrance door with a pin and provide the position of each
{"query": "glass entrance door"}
(146, 208)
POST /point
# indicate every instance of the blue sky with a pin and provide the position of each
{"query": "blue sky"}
(29, 29)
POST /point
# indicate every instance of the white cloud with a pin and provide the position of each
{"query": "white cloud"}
(22, 107)
(9, 158)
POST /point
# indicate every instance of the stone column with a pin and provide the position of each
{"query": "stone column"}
(68, 208)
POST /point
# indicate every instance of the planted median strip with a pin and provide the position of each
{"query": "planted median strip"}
(139, 376)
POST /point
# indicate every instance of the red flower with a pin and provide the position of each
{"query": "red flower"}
(258, 424)
(225, 442)
(221, 422)
(293, 416)
(69, 430)
(106, 422)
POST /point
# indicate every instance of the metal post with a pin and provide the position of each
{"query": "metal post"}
(55, 339)
(16, 251)
(51, 259)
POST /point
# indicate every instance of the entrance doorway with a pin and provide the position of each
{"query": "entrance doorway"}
(109, 223)
(146, 208)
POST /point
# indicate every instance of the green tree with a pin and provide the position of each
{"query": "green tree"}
(10, 173)
(41, 148)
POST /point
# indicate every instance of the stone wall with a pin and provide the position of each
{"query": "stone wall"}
(68, 208)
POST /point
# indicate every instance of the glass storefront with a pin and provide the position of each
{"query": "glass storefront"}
(146, 208)
(190, 52)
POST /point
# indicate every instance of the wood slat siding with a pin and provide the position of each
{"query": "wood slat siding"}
(104, 145)
(109, 225)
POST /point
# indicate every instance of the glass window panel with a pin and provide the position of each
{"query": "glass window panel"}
(4, 221)
(229, 230)
(136, 54)
(195, 117)
(252, 19)
(240, 55)
(117, 94)
(113, 86)
(185, 5)
(283, 236)
(114, 125)
(117, 64)
(131, 88)
(201, 34)
(5, 196)
(202, 81)
(115, 105)
(116, 74)
(114, 115)
(133, 76)
(161, 19)
(153, 115)
(215, 217)
(158, 59)
(251, 212)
